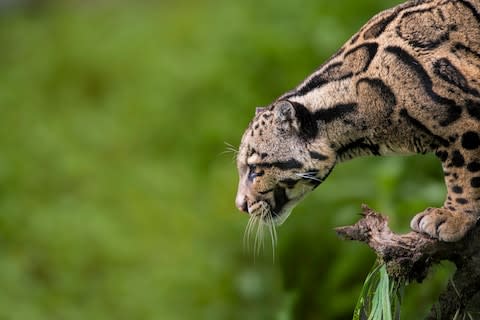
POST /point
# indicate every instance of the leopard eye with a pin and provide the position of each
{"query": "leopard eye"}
(253, 172)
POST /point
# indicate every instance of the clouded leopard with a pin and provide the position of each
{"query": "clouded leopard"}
(407, 82)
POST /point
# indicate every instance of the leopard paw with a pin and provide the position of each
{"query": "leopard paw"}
(443, 224)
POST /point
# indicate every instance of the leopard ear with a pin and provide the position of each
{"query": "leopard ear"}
(285, 116)
(259, 110)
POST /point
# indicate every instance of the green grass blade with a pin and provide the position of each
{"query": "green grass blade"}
(381, 297)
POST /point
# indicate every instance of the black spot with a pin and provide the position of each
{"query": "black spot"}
(335, 112)
(453, 138)
(470, 140)
(442, 155)
(446, 173)
(377, 29)
(473, 109)
(452, 208)
(475, 182)
(457, 159)
(256, 126)
(263, 155)
(318, 156)
(457, 189)
(473, 166)
(461, 200)
(452, 111)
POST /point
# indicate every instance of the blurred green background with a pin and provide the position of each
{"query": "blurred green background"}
(116, 199)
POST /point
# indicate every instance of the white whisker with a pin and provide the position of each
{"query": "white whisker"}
(249, 229)
(230, 149)
(271, 228)
(257, 223)
(246, 234)
(309, 175)
(256, 246)
(275, 236)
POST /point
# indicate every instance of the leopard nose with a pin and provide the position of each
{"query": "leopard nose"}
(241, 203)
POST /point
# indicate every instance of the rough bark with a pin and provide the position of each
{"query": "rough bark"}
(410, 256)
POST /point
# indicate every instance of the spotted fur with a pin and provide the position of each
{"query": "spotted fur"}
(407, 82)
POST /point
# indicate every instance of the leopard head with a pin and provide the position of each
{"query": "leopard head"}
(282, 157)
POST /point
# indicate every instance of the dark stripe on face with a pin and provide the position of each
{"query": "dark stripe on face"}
(420, 126)
(282, 165)
(453, 111)
(280, 198)
(335, 112)
(318, 156)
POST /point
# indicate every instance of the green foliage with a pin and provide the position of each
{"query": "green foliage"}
(381, 297)
(115, 199)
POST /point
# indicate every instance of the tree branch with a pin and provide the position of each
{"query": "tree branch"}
(410, 256)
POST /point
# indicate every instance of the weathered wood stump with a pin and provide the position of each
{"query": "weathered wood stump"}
(410, 256)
